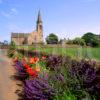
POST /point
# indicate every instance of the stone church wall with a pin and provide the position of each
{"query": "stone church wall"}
(18, 41)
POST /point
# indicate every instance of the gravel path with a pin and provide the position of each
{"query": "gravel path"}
(8, 85)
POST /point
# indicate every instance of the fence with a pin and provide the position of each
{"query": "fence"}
(4, 46)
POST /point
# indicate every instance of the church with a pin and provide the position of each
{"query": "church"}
(34, 37)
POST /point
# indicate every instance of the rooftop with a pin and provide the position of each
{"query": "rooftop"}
(19, 35)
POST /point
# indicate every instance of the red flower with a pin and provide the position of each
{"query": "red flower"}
(43, 57)
(31, 72)
(26, 66)
(36, 59)
(34, 74)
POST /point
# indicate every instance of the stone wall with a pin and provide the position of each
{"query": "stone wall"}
(18, 41)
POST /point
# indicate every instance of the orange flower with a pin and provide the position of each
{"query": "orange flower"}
(32, 61)
(43, 57)
(37, 69)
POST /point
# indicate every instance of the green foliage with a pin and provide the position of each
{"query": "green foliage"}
(79, 41)
(65, 85)
(69, 42)
(75, 52)
(12, 45)
(91, 39)
(52, 39)
(65, 96)
(11, 49)
(71, 77)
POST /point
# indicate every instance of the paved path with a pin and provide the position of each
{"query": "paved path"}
(7, 84)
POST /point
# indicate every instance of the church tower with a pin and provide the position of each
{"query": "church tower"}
(39, 28)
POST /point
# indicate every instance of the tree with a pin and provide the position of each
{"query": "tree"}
(62, 41)
(90, 39)
(12, 45)
(69, 41)
(5, 42)
(79, 41)
(52, 39)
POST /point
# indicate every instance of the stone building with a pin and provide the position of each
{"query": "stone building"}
(30, 38)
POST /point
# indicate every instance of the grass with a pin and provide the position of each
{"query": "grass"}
(74, 52)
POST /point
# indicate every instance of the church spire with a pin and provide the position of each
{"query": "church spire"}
(39, 23)
(39, 20)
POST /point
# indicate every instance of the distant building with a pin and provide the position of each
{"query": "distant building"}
(1, 43)
(29, 38)
(98, 37)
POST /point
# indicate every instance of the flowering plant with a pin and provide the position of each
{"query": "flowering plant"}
(30, 65)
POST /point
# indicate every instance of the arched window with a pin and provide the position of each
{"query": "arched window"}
(25, 41)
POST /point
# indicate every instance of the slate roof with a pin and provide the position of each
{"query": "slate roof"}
(19, 35)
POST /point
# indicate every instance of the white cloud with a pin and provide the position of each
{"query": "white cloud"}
(12, 12)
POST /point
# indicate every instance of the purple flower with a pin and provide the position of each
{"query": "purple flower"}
(37, 89)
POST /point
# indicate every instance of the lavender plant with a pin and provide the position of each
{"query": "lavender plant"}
(78, 77)
(37, 89)
(84, 79)
(21, 72)
(54, 62)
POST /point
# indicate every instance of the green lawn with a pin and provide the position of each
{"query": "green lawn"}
(92, 53)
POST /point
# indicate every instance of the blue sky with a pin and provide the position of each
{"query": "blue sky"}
(66, 18)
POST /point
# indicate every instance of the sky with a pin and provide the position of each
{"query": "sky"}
(65, 18)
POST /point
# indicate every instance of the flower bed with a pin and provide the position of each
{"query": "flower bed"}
(57, 78)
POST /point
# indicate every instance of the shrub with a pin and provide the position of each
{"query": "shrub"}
(11, 49)
(79, 41)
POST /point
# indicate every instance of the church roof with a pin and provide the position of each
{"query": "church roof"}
(19, 35)
(39, 17)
